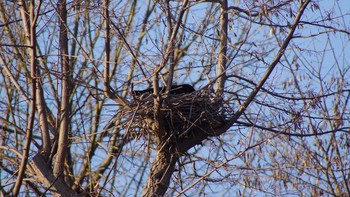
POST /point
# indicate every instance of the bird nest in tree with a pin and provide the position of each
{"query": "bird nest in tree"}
(180, 113)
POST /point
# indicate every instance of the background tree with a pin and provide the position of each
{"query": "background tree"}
(277, 72)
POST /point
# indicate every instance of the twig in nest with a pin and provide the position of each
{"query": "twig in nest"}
(181, 113)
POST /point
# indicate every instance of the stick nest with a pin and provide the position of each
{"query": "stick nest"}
(181, 113)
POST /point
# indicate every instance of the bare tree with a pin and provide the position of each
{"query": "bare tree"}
(269, 114)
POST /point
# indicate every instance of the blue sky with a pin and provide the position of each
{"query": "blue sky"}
(332, 53)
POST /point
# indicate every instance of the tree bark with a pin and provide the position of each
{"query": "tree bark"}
(161, 171)
(31, 36)
(45, 176)
(222, 60)
(66, 86)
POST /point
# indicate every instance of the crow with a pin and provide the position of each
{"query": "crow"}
(175, 89)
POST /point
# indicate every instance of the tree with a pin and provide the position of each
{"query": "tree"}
(270, 114)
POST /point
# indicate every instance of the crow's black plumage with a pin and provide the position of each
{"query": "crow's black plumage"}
(175, 89)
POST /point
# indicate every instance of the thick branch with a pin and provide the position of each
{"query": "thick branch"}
(220, 83)
(66, 87)
(45, 176)
(30, 123)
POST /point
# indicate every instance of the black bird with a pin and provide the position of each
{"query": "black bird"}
(175, 89)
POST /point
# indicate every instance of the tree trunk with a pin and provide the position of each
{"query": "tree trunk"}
(160, 173)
